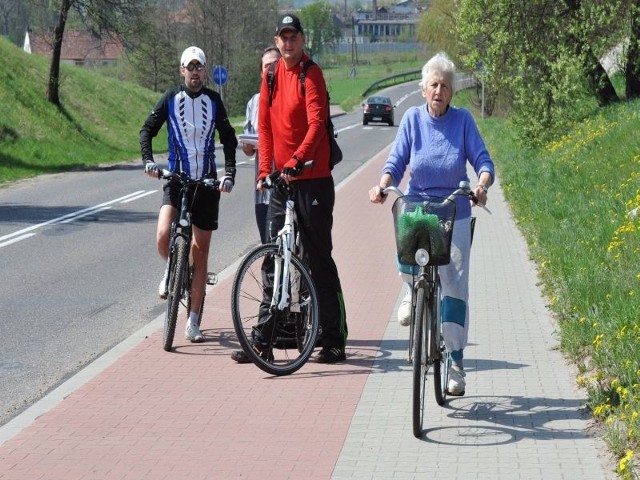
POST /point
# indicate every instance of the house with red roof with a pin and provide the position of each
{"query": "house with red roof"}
(79, 47)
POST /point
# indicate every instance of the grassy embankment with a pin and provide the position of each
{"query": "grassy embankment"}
(101, 116)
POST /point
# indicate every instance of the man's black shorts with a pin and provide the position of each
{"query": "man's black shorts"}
(206, 202)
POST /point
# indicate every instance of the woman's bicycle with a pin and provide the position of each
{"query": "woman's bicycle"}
(423, 229)
(179, 266)
(274, 301)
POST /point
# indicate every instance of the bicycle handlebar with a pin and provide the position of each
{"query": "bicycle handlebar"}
(271, 180)
(165, 174)
(463, 189)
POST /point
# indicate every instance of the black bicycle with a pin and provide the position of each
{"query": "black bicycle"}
(274, 301)
(423, 230)
(179, 265)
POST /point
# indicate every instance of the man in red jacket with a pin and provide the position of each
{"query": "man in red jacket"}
(292, 131)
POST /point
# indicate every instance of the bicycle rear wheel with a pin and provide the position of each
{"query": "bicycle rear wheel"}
(178, 264)
(288, 337)
(420, 365)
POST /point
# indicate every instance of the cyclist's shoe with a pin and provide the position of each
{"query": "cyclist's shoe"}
(456, 384)
(404, 310)
(162, 288)
(240, 356)
(331, 355)
(193, 333)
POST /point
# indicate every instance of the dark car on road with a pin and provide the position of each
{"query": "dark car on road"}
(378, 109)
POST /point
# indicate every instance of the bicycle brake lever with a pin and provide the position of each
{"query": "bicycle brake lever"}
(483, 206)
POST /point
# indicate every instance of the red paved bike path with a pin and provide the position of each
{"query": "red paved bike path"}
(193, 413)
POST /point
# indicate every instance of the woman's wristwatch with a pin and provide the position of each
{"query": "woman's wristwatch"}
(483, 187)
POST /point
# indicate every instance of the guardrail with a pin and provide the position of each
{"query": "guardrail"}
(463, 80)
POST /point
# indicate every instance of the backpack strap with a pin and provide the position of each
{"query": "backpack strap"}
(271, 77)
(303, 74)
(270, 80)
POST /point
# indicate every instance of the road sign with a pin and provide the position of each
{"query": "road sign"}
(219, 74)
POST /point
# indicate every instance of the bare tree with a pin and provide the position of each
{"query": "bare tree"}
(14, 19)
(103, 17)
(233, 34)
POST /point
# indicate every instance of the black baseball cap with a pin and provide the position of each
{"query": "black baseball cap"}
(291, 22)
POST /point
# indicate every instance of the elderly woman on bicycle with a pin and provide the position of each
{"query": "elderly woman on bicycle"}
(437, 141)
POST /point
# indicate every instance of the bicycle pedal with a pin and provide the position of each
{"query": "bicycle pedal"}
(212, 278)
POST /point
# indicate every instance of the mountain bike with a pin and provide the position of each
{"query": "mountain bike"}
(274, 301)
(423, 229)
(179, 264)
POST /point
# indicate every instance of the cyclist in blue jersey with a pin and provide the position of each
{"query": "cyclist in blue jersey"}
(192, 113)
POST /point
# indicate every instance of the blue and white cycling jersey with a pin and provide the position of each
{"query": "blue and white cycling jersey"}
(191, 123)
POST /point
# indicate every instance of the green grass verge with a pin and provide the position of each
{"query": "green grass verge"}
(101, 116)
(99, 122)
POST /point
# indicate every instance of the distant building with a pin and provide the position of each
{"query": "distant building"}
(78, 47)
(384, 24)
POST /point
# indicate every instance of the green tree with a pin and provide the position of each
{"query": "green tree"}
(544, 53)
(632, 57)
(155, 49)
(437, 27)
(320, 30)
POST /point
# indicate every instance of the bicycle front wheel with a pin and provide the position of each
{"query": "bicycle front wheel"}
(287, 337)
(188, 294)
(441, 360)
(178, 265)
(420, 365)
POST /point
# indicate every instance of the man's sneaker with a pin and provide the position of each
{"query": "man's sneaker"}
(240, 356)
(331, 355)
(456, 384)
(404, 310)
(193, 333)
(162, 288)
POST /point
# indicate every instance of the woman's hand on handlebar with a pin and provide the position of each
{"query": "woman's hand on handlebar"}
(377, 195)
(479, 196)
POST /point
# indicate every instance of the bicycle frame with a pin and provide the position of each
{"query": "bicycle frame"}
(284, 240)
(179, 278)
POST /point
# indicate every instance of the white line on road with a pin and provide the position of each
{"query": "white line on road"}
(22, 234)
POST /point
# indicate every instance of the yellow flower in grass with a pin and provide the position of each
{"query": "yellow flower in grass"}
(624, 463)
(622, 332)
(601, 410)
(598, 340)
(623, 392)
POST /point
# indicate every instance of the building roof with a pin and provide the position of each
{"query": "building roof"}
(77, 46)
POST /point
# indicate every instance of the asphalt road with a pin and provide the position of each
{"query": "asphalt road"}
(79, 264)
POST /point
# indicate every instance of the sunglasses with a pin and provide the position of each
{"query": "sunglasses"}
(197, 66)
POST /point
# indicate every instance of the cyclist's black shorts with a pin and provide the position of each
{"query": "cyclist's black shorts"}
(206, 201)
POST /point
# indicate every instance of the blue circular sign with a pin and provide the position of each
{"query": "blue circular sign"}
(219, 74)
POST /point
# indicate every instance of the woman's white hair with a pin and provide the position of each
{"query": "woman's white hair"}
(440, 63)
